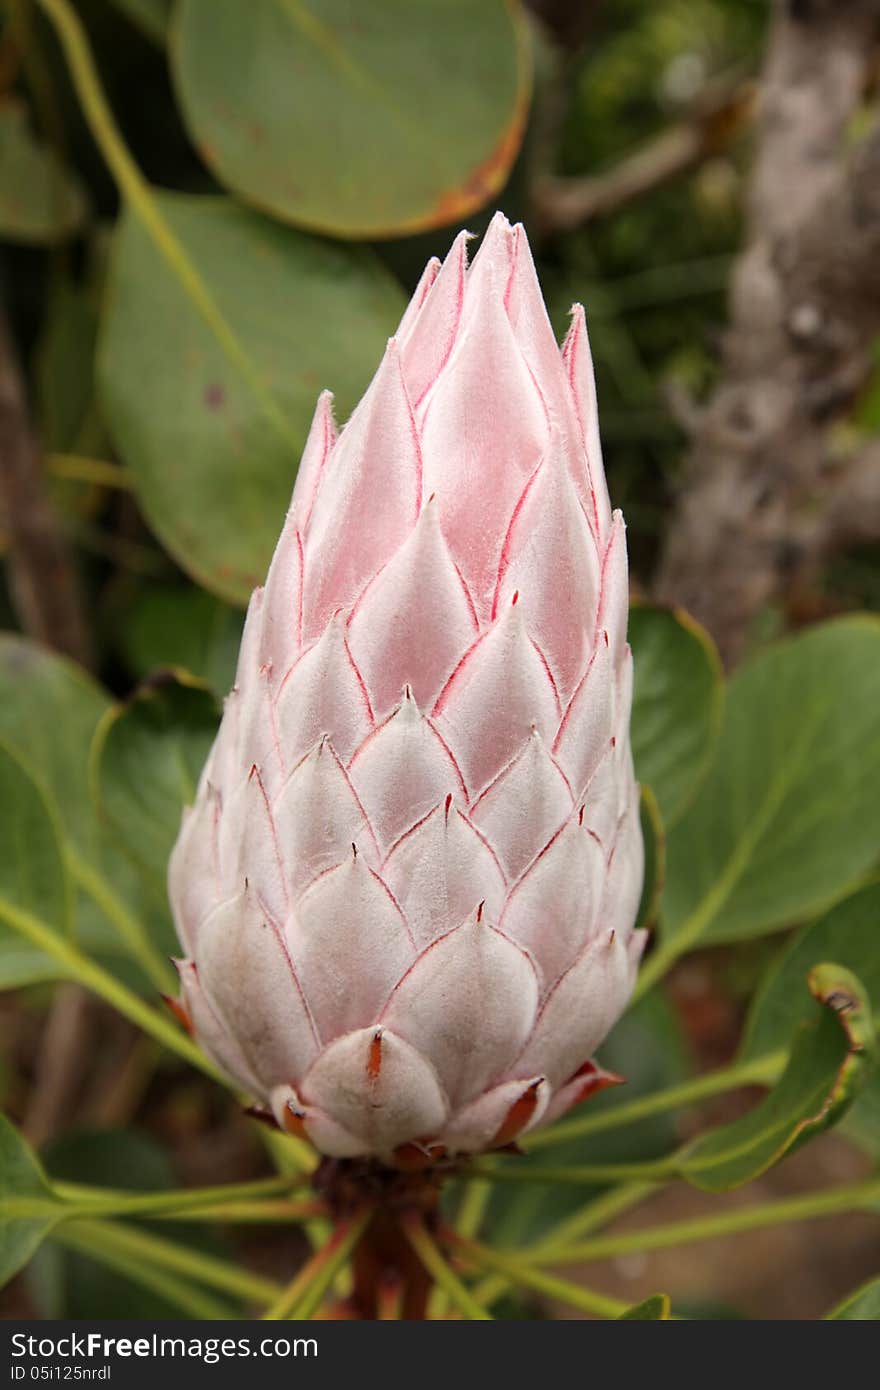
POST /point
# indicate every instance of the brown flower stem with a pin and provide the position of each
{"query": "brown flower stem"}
(384, 1256)
(383, 1259)
(442, 1271)
(389, 1300)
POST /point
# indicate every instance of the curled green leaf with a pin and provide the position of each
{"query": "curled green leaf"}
(829, 1063)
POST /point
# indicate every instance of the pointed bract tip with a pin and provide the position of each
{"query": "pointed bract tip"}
(293, 1120)
(589, 1080)
(519, 1115)
(500, 222)
(180, 1012)
(262, 1115)
(416, 1155)
(374, 1056)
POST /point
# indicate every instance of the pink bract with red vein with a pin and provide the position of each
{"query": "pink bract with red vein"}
(408, 885)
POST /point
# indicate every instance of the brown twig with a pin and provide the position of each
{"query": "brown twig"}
(45, 591)
(766, 496)
(61, 1062)
(562, 204)
(43, 579)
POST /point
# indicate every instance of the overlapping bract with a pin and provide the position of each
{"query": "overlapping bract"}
(408, 884)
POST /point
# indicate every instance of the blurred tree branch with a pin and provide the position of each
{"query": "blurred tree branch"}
(562, 204)
(44, 588)
(768, 492)
(43, 579)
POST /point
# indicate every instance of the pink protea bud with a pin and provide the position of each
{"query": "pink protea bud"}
(408, 884)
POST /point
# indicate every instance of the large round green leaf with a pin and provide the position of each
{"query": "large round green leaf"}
(210, 406)
(357, 119)
(677, 702)
(789, 816)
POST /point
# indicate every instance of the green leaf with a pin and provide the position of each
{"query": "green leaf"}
(22, 964)
(862, 1124)
(657, 1308)
(787, 819)
(65, 374)
(829, 1063)
(49, 710)
(32, 873)
(28, 1209)
(678, 698)
(110, 1158)
(184, 627)
(146, 760)
(654, 835)
(70, 1284)
(210, 423)
(850, 934)
(861, 1306)
(422, 107)
(40, 201)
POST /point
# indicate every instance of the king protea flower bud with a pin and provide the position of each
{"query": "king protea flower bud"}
(408, 884)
